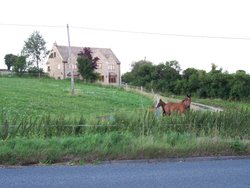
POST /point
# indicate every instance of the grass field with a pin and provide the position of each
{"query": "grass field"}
(227, 105)
(34, 97)
(40, 122)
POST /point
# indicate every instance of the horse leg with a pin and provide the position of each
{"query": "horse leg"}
(168, 112)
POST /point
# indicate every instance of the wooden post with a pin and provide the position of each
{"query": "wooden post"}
(72, 66)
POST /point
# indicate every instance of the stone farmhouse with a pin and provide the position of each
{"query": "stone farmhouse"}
(108, 66)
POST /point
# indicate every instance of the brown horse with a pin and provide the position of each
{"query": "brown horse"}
(170, 107)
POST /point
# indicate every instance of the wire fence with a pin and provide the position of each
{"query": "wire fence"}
(142, 90)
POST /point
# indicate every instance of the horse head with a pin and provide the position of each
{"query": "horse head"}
(187, 101)
(159, 103)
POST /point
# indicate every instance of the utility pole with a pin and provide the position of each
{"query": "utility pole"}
(71, 65)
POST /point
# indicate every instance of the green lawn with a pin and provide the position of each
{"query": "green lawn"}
(37, 97)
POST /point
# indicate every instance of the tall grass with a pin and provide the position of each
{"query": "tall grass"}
(143, 122)
(132, 135)
(114, 145)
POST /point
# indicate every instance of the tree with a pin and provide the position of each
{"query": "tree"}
(20, 65)
(166, 75)
(140, 75)
(191, 79)
(10, 60)
(189, 72)
(128, 77)
(86, 65)
(240, 85)
(35, 48)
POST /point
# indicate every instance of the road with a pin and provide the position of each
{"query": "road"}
(202, 107)
(211, 173)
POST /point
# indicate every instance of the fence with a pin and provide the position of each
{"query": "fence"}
(6, 73)
(146, 92)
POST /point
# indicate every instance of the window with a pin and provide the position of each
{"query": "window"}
(112, 79)
(111, 67)
(52, 55)
(101, 78)
(74, 66)
(48, 68)
(59, 66)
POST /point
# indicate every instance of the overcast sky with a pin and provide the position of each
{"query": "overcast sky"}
(196, 33)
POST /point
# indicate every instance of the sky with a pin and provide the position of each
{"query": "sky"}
(196, 33)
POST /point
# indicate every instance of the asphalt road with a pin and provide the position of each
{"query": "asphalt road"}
(212, 173)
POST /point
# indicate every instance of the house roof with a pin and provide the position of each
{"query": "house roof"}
(106, 52)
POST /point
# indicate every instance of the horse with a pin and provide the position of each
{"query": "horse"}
(170, 107)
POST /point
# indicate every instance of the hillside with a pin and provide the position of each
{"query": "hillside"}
(36, 97)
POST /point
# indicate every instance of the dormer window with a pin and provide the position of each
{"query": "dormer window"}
(52, 55)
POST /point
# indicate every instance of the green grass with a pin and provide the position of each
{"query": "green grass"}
(116, 145)
(22, 97)
(233, 105)
(40, 122)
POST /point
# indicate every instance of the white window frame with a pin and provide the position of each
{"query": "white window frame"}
(111, 67)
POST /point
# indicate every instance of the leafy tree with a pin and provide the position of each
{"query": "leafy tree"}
(10, 60)
(128, 77)
(87, 64)
(241, 72)
(240, 86)
(179, 87)
(202, 91)
(193, 83)
(140, 74)
(174, 64)
(35, 48)
(218, 85)
(20, 65)
(166, 75)
(189, 72)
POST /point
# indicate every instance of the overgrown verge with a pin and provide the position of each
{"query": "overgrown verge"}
(115, 145)
(136, 135)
